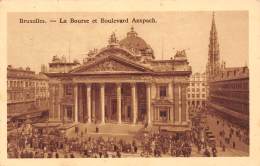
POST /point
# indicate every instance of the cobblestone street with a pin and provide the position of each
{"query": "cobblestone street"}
(241, 148)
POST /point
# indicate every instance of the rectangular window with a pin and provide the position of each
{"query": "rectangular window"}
(69, 113)
(198, 95)
(68, 89)
(203, 89)
(203, 95)
(193, 95)
(193, 89)
(164, 113)
(198, 89)
(163, 91)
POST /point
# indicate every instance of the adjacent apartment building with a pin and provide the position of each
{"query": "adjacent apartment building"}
(197, 91)
(228, 86)
(27, 94)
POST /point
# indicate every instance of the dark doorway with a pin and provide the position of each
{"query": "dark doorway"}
(128, 112)
(113, 109)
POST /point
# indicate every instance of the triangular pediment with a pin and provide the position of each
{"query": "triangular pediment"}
(110, 64)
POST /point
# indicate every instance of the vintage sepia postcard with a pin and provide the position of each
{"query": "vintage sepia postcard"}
(141, 85)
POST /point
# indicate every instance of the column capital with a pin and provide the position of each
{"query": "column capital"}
(170, 82)
(88, 84)
(177, 82)
(133, 84)
(102, 85)
(75, 84)
(118, 84)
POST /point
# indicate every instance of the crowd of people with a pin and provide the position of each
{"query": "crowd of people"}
(55, 144)
(52, 143)
(158, 144)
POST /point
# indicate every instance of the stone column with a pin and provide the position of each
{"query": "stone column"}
(148, 102)
(80, 112)
(89, 102)
(59, 110)
(187, 108)
(76, 103)
(153, 91)
(65, 116)
(179, 105)
(134, 103)
(170, 90)
(102, 102)
(93, 106)
(118, 94)
(52, 101)
(61, 91)
(187, 112)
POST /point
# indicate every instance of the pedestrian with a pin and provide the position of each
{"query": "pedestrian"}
(214, 151)
(207, 153)
(57, 155)
(135, 148)
(72, 155)
(100, 154)
(118, 154)
(234, 145)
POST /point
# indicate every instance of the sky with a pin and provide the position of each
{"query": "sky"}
(35, 44)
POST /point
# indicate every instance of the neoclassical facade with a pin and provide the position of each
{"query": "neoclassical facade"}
(122, 83)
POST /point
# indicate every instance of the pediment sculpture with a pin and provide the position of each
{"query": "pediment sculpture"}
(111, 65)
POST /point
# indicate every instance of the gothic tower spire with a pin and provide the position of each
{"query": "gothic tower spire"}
(213, 52)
